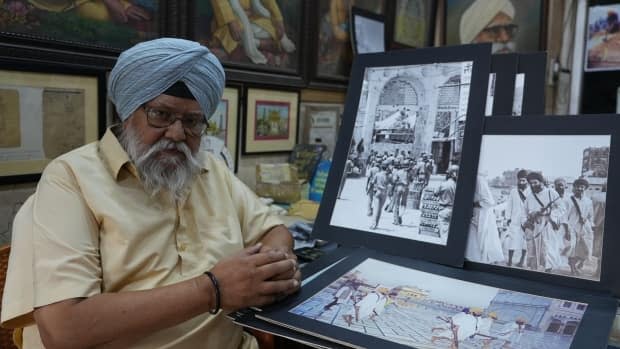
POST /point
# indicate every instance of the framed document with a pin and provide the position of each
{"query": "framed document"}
(44, 115)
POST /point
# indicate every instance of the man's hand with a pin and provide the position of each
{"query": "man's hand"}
(249, 277)
(235, 30)
(279, 239)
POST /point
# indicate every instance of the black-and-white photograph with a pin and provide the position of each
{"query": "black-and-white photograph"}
(542, 208)
(402, 166)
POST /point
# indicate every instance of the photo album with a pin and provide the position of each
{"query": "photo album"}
(470, 219)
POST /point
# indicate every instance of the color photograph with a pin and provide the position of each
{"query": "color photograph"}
(542, 208)
(403, 160)
(116, 24)
(603, 38)
(420, 310)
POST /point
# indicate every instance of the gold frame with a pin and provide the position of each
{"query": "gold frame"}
(21, 79)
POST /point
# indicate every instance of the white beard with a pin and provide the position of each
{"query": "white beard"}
(503, 47)
(168, 174)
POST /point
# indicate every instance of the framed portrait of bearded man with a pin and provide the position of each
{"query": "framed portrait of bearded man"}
(510, 25)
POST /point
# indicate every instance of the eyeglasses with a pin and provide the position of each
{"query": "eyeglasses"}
(193, 123)
(510, 29)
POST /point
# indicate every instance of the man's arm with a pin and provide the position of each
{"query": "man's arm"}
(113, 319)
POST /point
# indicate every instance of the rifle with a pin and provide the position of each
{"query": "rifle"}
(533, 217)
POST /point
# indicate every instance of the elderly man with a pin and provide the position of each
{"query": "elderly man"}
(490, 21)
(515, 210)
(543, 215)
(140, 240)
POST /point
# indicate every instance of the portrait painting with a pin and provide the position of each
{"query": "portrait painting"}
(603, 36)
(334, 51)
(114, 24)
(255, 34)
(542, 208)
(270, 120)
(511, 25)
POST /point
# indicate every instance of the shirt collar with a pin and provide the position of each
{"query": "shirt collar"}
(116, 157)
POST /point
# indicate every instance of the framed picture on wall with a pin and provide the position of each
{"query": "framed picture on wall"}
(221, 135)
(511, 25)
(256, 35)
(46, 112)
(319, 124)
(331, 40)
(413, 23)
(603, 33)
(270, 121)
(109, 25)
(368, 29)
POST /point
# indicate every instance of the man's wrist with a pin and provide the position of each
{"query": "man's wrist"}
(213, 289)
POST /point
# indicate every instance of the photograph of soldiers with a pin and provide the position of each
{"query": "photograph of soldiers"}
(404, 154)
(421, 310)
(549, 203)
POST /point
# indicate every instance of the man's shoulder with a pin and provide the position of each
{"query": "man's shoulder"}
(85, 156)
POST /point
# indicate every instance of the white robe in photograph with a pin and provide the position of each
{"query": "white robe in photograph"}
(515, 211)
(483, 242)
(577, 228)
(549, 241)
(372, 301)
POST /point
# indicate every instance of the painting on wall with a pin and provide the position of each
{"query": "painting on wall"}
(111, 24)
(413, 23)
(602, 52)
(251, 34)
(220, 137)
(271, 120)
(512, 26)
(334, 51)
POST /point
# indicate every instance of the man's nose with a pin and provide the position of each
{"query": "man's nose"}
(176, 131)
(503, 35)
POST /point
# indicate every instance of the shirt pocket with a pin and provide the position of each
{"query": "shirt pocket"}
(220, 236)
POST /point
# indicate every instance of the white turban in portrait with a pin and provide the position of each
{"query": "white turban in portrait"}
(147, 69)
(479, 14)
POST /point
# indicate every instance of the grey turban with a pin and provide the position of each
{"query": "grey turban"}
(146, 70)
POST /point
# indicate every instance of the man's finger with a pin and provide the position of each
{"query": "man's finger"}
(277, 287)
(268, 271)
(263, 258)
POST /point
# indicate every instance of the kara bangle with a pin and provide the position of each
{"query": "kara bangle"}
(216, 286)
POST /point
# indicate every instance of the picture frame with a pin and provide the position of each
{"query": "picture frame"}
(571, 132)
(413, 23)
(367, 31)
(221, 136)
(599, 52)
(86, 27)
(426, 236)
(283, 60)
(524, 24)
(422, 292)
(504, 68)
(330, 43)
(319, 124)
(277, 136)
(38, 95)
